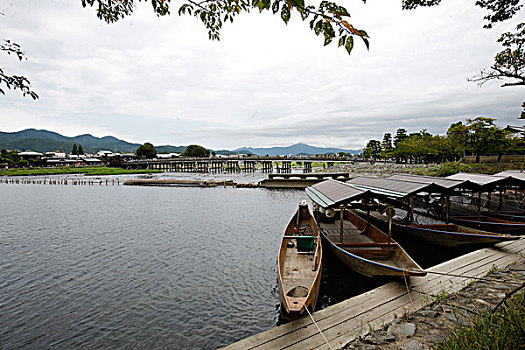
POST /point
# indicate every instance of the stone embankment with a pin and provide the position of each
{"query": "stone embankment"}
(429, 326)
(378, 169)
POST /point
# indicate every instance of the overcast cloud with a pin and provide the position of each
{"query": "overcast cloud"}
(160, 80)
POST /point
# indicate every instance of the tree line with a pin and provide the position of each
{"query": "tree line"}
(477, 136)
(148, 151)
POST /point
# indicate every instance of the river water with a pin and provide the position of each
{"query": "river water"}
(102, 267)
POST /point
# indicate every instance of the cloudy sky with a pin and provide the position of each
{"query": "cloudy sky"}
(160, 80)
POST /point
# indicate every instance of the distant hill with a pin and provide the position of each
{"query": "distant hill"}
(299, 148)
(170, 149)
(47, 141)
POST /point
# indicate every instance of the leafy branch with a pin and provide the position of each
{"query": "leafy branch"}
(327, 19)
(502, 10)
(15, 82)
(508, 63)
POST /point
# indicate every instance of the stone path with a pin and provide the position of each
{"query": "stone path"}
(427, 327)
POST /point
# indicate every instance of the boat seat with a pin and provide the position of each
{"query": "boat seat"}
(305, 243)
(298, 292)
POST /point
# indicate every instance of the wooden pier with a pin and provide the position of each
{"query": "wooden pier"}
(343, 322)
(300, 180)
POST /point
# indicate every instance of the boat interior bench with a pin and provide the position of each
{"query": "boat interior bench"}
(371, 244)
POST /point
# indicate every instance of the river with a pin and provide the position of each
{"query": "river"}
(107, 267)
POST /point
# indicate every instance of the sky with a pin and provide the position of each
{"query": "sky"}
(264, 84)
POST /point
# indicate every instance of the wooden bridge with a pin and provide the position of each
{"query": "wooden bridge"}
(210, 165)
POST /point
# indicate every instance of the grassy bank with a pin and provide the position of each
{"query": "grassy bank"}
(97, 170)
(446, 169)
(504, 329)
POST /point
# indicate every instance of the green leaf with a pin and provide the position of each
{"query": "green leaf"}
(366, 43)
(297, 3)
(275, 7)
(341, 41)
(349, 44)
(318, 27)
(327, 39)
(285, 14)
(260, 5)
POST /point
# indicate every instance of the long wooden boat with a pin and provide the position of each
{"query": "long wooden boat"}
(486, 223)
(507, 215)
(368, 250)
(442, 234)
(300, 264)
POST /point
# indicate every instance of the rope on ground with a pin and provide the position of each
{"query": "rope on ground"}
(408, 290)
(472, 277)
(319, 329)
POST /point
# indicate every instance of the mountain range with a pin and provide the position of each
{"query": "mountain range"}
(47, 141)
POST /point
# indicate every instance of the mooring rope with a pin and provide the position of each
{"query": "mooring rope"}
(319, 329)
(408, 290)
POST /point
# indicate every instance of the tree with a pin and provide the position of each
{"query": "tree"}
(484, 136)
(80, 149)
(115, 161)
(401, 135)
(196, 151)
(502, 10)
(15, 82)
(372, 149)
(457, 136)
(327, 19)
(509, 64)
(146, 151)
(74, 150)
(386, 146)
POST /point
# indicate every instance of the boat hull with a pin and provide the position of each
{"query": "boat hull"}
(367, 267)
(300, 265)
(376, 258)
(512, 216)
(445, 235)
(490, 224)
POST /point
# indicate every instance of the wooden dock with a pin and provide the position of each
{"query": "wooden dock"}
(343, 322)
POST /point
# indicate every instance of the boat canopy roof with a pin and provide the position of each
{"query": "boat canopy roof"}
(516, 174)
(490, 182)
(451, 184)
(333, 193)
(396, 188)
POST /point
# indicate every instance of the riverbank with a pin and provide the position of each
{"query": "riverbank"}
(451, 314)
(381, 169)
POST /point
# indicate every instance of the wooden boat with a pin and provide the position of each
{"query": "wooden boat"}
(507, 215)
(366, 249)
(490, 224)
(442, 234)
(300, 264)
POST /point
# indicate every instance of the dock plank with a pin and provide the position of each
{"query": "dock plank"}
(379, 315)
(343, 322)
